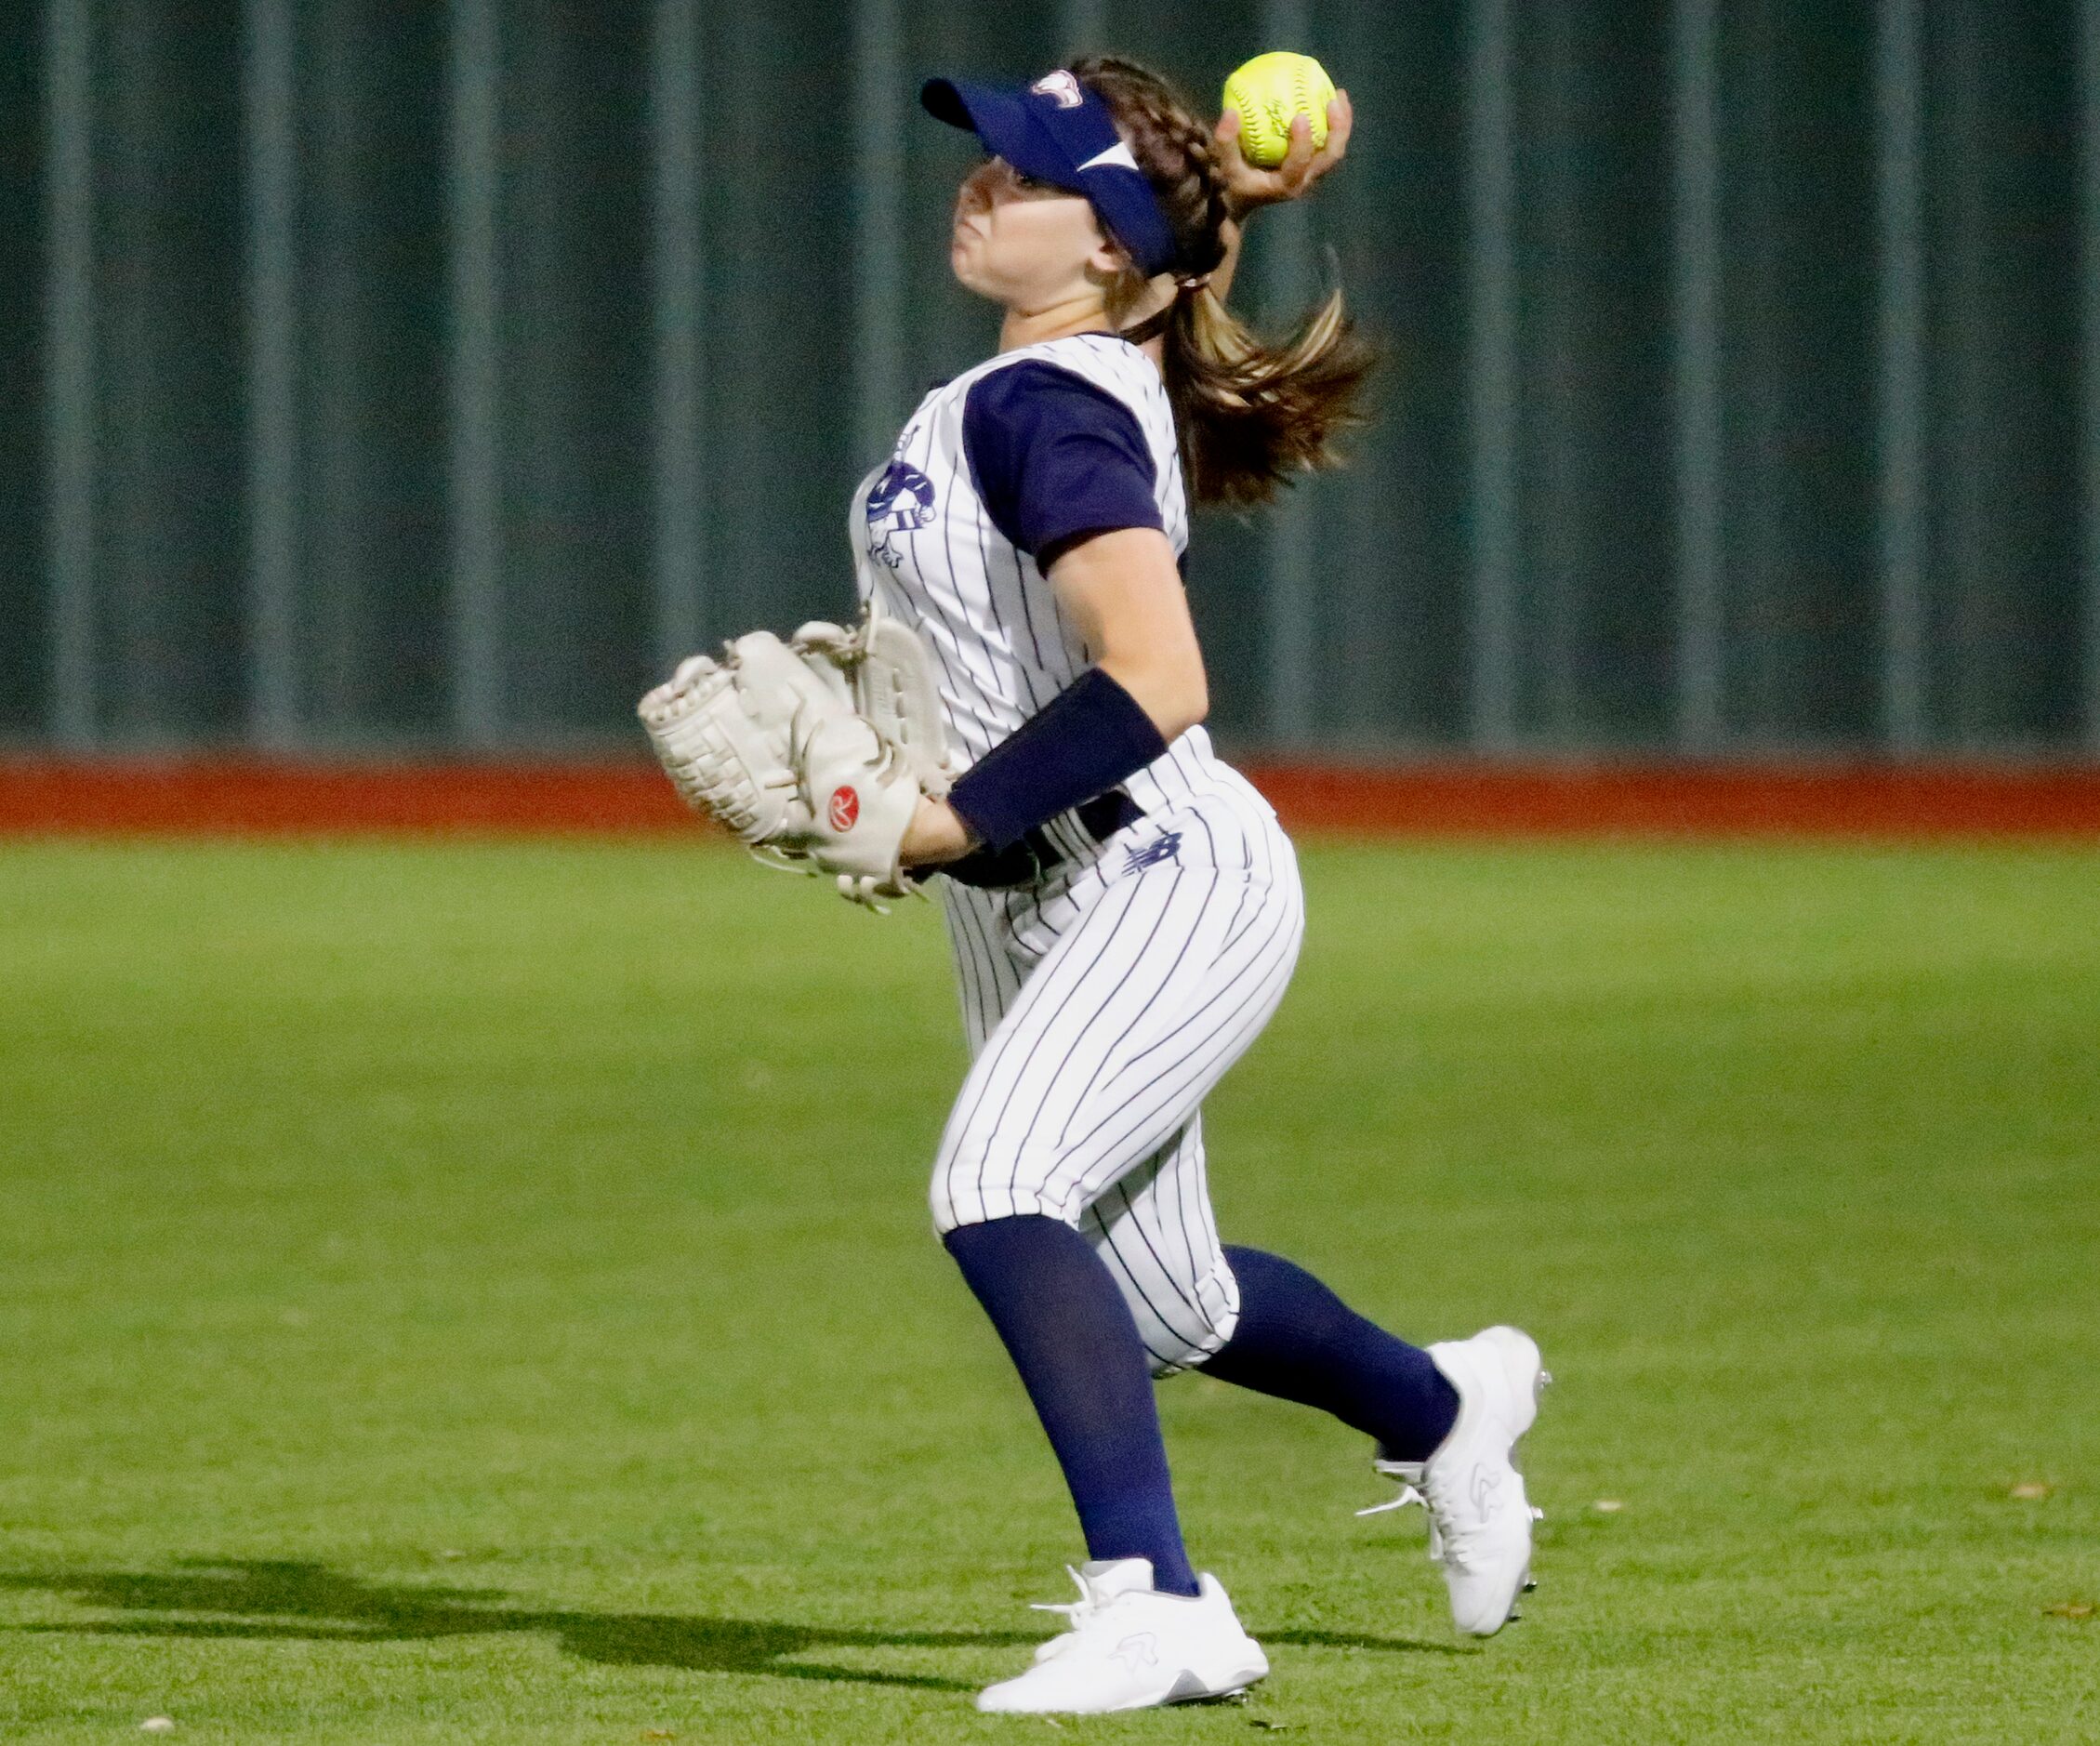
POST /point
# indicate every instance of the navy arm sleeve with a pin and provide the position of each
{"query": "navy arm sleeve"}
(1055, 457)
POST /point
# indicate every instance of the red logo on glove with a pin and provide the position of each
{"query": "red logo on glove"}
(845, 808)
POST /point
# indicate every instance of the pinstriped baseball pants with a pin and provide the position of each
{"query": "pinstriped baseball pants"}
(1100, 1008)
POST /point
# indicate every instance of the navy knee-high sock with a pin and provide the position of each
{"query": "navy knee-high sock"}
(1072, 1338)
(1296, 1339)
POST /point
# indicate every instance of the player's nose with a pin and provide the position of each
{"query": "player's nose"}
(975, 194)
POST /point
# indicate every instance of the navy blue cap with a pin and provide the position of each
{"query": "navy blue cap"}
(1059, 132)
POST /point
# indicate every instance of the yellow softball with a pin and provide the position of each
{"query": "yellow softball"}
(1268, 91)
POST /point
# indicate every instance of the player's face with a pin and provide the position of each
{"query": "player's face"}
(1025, 243)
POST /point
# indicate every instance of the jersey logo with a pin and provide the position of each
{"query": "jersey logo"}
(844, 809)
(1061, 86)
(900, 503)
(1165, 847)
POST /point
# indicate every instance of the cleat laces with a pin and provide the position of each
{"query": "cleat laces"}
(1078, 1616)
(1450, 1537)
(1410, 1474)
(1077, 1612)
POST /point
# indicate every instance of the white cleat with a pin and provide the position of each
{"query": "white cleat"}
(1479, 1518)
(1132, 1647)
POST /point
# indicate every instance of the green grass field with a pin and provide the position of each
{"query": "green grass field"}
(483, 1293)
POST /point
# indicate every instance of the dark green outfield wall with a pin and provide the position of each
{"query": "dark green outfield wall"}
(379, 375)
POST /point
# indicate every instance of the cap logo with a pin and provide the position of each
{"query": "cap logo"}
(1061, 88)
(844, 809)
(1119, 154)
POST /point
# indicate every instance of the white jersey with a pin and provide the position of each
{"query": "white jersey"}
(924, 543)
(1104, 1000)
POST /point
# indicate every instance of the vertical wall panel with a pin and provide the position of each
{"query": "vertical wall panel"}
(72, 402)
(170, 543)
(2087, 71)
(375, 541)
(679, 317)
(1394, 555)
(1901, 387)
(1797, 376)
(1494, 411)
(576, 345)
(34, 202)
(477, 263)
(1695, 188)
(780, 414)
(1083, 26)
(883, 110)
(1597, 618)
(1293, 528)
(270, 193)
(2000, 633)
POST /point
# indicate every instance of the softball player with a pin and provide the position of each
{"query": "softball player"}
(1124, 909)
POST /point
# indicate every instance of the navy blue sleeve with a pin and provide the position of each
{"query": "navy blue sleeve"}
(1054, 456)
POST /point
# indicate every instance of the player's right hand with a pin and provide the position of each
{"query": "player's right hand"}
(1248, 186)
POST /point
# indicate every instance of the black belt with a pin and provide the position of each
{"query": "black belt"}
(1037, 854)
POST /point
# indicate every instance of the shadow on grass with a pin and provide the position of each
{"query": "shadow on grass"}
(256, 1599)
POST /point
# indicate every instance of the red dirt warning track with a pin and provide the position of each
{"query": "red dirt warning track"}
(251, 797)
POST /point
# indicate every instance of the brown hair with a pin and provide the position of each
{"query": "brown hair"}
(1252, 415)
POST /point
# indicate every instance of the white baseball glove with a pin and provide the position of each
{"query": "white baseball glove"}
(814, 753)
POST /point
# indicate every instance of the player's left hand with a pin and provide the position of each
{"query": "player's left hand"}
(1248, 186)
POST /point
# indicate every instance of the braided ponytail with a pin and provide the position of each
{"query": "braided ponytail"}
(1252, 415)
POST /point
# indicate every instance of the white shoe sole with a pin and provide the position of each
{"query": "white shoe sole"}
(1189, 1687)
